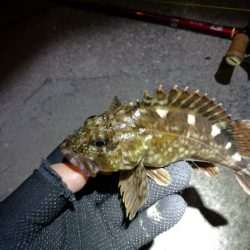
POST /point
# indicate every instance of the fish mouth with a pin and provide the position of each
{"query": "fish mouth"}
(88, 166)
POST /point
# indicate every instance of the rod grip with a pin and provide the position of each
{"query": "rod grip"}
(237, 50)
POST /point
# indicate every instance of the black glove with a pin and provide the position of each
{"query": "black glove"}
(41, 213)
(101, 213)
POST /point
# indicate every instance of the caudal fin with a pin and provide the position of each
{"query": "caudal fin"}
(241, 136)
(243, 177)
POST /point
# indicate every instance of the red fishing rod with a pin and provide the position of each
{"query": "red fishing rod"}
(172, 21)
(235, 54)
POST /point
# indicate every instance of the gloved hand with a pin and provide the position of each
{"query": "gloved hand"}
(100, 213)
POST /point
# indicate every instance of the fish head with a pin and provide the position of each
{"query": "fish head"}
(101, 147)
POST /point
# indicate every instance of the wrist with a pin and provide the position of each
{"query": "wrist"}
(71, 176)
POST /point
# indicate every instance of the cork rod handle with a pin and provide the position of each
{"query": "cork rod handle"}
(237, 50)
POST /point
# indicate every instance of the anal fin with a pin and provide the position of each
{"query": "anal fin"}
(133, 186)
(160, 176)
(207, 168)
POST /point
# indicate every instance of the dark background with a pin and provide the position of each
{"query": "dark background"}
(59, 65)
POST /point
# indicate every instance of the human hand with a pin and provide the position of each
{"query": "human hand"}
(103, 224)
(71, 176)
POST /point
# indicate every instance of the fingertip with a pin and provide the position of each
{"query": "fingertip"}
(180, 169)
(167, 211)
(181, 175)
(71, 176)
(158, 218)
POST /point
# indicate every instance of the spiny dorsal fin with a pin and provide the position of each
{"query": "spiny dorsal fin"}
(114, 103)
(193, 102)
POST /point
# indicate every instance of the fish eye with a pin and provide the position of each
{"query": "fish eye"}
(100, 143)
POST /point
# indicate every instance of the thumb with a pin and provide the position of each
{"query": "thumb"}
(158, 218)
(71, 176)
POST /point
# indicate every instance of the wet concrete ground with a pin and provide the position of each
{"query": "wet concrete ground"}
(60, 65)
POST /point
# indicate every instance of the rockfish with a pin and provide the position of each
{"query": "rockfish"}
(140, 138)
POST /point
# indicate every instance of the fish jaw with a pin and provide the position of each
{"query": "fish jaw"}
(88, 166)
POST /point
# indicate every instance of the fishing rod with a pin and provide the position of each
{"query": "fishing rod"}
(240, 36)
(171, 21)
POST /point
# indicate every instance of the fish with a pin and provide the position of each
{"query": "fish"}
(139, 138)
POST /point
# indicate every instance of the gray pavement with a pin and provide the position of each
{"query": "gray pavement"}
(62, 64)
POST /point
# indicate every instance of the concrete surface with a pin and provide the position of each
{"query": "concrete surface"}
(63, 64)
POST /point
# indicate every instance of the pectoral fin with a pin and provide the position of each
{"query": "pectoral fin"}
(134, 189)
(206, 167)
(160, 176)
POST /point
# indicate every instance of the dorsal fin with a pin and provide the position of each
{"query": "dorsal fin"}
(193, 102)
(114, 103)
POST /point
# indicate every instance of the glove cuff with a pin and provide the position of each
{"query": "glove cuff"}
(51, 175)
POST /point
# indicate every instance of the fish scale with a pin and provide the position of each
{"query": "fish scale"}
(139, 138)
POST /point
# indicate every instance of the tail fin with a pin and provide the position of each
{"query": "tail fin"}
(241, 135)
(243, 177)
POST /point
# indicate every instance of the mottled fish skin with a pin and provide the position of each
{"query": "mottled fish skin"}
(159, 130)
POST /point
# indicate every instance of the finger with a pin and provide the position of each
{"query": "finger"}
(180, 173)
(71, 176)
(102, 188)
(158, 218)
